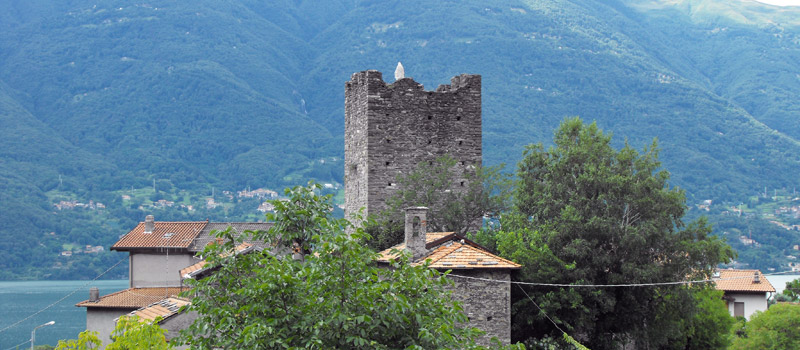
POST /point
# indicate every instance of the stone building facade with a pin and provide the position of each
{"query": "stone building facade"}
(391, 128)
(481, 279)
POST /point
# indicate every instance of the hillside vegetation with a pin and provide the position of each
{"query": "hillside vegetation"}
(98, 97)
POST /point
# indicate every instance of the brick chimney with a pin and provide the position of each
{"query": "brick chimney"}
(415, 231)
(94, 294)
(149, 224)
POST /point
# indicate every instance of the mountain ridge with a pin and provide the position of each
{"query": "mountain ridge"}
(242, 93)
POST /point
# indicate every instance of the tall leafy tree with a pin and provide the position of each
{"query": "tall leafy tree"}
(334, 298)
(711, 324)
(585, 213)
(486, 191)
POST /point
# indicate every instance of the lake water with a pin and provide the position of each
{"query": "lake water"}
(779, 281)
(19, 300)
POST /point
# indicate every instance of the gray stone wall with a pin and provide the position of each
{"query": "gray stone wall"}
(391, 128)
(487, 304)
(158, 270)
(178, 322)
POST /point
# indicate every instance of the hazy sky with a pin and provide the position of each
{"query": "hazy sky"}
(781, 2)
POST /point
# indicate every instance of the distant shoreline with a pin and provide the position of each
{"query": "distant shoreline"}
(781, 3)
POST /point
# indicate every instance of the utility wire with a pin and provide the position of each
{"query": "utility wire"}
(540, 309)
(18, 345)
(654, 284)
(62, 299)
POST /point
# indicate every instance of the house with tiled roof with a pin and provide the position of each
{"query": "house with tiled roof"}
(746, 291)
(481, 279)
(158, 251)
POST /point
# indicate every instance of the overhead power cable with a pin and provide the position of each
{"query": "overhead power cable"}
(653, 284)
(18, 345)
(64, 298)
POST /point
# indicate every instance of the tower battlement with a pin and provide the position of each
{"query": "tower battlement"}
(373, 81)
(391, 128)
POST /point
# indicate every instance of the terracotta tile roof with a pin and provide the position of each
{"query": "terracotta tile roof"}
(164, 308)
(450, 251)
(456, 255)
(742, 281)
(430, 237)
(176, 234)
(191, 271)
(132, 298)
(205, 237)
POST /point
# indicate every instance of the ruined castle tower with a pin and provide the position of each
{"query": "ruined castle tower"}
(391, 128)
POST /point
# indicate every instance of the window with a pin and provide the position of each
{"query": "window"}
(738, 309)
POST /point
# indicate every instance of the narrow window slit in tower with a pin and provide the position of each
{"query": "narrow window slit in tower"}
(388, 140)
(460, 143)
(429, 142)
(458, 118)
(387, 163)
(430, 117)
(462, 183)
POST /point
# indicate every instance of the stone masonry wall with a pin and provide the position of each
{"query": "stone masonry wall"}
(487, 304)
(391, 128)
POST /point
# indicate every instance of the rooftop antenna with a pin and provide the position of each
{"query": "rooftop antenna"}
(399, 72)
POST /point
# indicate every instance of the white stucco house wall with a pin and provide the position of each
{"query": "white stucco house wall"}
(746, 291)
(158, 251)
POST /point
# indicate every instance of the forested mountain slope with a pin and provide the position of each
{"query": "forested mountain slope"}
(111, 95)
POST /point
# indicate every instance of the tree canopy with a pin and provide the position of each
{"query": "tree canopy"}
(776, 328)
(792, 290)
(129, 333)
(585, 213)
(335, 297)
(433, 185)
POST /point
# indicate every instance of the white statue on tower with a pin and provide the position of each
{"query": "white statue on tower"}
(399, 72)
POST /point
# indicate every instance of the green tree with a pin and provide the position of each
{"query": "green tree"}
(585, 213)
(711, 324)
(133, 333)
(129, 333)
(86, 340)
(792, 290)
(333, 298)
(487, 192)
(774, 329)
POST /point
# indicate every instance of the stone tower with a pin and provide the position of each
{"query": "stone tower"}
(391, 128)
